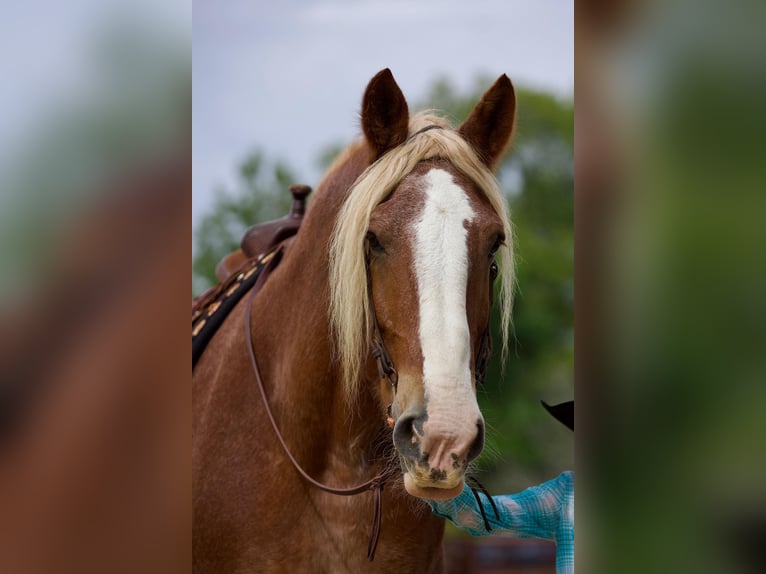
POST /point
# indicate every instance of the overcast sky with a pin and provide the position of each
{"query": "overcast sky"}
(288, 77)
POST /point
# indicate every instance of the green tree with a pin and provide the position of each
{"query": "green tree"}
(261, 194)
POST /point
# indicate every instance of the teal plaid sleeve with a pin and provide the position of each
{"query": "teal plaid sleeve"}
(544, 511)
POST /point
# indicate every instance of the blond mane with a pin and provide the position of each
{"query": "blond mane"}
(350, 316)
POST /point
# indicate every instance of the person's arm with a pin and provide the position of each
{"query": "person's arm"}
(544, 511)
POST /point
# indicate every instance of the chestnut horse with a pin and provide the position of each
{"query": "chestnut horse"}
(397, 253)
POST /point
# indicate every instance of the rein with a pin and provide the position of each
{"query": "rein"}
(375, 484)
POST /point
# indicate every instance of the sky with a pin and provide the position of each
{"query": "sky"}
(287, 77)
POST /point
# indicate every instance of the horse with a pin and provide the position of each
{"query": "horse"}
(355, 367)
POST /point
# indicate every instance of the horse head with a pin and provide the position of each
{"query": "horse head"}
(414, 262)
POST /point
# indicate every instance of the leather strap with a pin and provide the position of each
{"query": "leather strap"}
(483, 356)
(210, 310)
(475, 487)
(485, 344)
(386, 367)
(375, 484)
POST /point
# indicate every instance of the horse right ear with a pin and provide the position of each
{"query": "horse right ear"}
(488, 129)
(385, 116)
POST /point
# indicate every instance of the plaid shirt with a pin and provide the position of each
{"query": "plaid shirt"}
(544, 511)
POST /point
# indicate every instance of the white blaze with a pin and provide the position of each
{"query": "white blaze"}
(441, 268)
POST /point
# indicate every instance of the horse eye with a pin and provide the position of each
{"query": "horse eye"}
(493, 271)
(498, 243)
(375, 246)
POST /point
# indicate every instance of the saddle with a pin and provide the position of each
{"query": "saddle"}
(244, 269)
(260, 238)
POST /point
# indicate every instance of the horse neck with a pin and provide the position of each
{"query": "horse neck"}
(293, 344)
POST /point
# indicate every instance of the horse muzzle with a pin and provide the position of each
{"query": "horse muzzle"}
(435, 449)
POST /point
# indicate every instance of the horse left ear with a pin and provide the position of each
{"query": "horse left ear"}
(385, 115)
(488, 129)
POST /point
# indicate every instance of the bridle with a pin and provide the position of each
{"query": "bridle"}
(375, 484)
(386, 370)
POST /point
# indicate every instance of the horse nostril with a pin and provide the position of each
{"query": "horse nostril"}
(478, 443)
(407, 429)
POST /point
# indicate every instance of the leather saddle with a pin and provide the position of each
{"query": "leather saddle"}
(260, 238)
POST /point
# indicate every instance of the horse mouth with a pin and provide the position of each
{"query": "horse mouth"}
(422, 481)
(432, 490)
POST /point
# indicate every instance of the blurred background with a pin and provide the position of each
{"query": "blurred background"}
(669, 209)
(95, 205)
(671, 277)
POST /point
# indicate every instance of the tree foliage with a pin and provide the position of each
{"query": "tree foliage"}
(261, 194)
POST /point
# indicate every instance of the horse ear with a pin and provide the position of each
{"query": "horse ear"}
(385, 116)
(488, 128)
